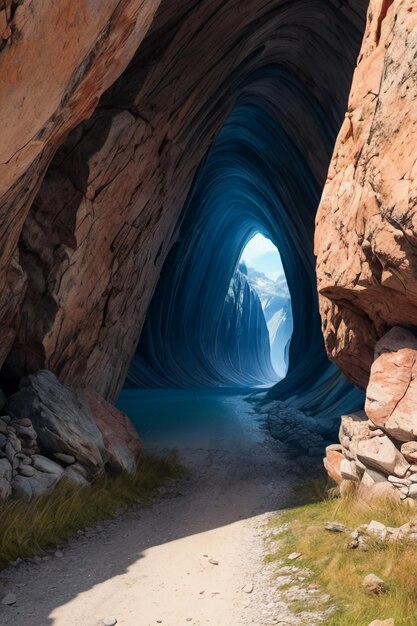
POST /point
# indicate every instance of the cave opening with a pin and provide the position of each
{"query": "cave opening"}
(261, 264)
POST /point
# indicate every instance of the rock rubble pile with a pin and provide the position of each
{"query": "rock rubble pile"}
(377, 453)
(50, 432)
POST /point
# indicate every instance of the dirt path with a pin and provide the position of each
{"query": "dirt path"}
(195, 557)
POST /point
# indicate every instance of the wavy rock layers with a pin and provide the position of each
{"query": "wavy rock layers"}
(366, 238)
(56, 59)
(256, 178)
(197, 336)
(107, 213)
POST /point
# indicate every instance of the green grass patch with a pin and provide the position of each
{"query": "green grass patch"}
(28, 527)
(339, 571)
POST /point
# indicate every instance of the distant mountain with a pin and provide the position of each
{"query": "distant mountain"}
(276, 304)
(269, 263)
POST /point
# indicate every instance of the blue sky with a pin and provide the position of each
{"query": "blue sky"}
(261, 254)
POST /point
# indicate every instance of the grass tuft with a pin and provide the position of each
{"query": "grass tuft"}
(339, 571)
(28, 527)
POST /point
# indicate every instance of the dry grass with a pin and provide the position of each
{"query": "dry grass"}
(339, 571)
(28, 527)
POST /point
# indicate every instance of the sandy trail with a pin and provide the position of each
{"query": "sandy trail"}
(186, 559)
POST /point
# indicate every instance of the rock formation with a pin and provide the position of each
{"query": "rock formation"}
(206, 341)
(378, 449)
(143, 144)
(77, 433)
(366, 231)
(115, 189)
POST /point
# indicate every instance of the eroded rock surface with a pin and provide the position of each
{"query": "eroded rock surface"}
(391, 395)
(120, 438)
(116, 188)
(56, 59)
(366, 234)
(61, 418)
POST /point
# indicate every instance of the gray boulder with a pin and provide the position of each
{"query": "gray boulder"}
(5, 489)
(28, 487)
(5, 469)
(75, 475)
(61, 419)
(44, 464)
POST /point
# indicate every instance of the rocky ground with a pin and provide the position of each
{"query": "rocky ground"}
(196, 556)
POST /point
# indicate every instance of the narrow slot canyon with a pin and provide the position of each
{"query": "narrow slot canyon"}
(204, 249)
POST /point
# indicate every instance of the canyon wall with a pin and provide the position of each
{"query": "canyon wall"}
(80, 267)
(366, 237)
(56, 59)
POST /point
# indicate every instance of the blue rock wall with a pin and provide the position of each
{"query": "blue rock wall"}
(263, 174)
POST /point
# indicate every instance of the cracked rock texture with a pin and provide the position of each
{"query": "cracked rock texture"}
(366, 234)
(56, 59)
(80, 269)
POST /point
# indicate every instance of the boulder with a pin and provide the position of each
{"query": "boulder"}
(354, 427)
(332, 463)
(409, 451)
(43, 464)
(370, 489)
(5, 489)
(66, 459)
(349, 471)
(61, 418)
(381, 454)
(28, 487)
(391, 395)
(75, 475)
(120, 437)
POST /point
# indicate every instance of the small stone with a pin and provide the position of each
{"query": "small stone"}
(294, 556)
(43, 464)
(59, 555)
(335, 527)
(9, 599)
(26, 470)
(109, 621)
(213, 561)
(248, 588)
(382, 622)
(67, 459)
(377, 529)
(412, 490)
(373, 584)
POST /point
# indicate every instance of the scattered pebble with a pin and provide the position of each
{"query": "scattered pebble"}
(213, 561)
(110, 621)
(9, 599)
(373, 584)
(59, 554)
(248, 588)
(335, 527)
(294, 555)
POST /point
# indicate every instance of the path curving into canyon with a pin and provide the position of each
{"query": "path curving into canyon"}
(153, 566)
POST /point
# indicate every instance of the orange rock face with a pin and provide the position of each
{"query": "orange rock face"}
(391, 396)
(56, 59)
(332, 463)
(121, 440)
(366, 236)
